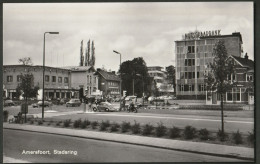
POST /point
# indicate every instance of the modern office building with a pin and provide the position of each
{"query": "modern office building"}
(159, 76)
(192, 55)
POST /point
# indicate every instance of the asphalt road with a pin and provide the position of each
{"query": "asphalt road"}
(16, 143)
(211, 120)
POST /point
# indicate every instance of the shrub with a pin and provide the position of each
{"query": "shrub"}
(237, 137)
(40, 122)
(222, 135)
(160, 130)
(58, 123)
(77, 123)
(5, 113)
(66, 123)
(251, 138)
(104, 125)
(136, 128)
(125, 126)
(147, 129)
(189, 132)
(174, 132)
(204, 134)
(94, 124)
(114, 127)
(84, 124)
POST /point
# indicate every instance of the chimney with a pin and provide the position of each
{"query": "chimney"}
(246, 56)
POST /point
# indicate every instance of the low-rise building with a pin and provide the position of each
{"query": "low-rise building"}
(108, 83)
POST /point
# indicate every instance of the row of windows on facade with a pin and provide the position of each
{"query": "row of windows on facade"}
(112, 83)
(192, 56)
(47, 79)
(191, 75)
(233, 95)
(191, 49)
(191, 62)
(156, 74)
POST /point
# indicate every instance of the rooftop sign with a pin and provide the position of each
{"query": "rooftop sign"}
(197, 34)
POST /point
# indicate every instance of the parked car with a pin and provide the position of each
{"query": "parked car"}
(104, 106)
(39, 104)
(73, 102)
(9, 103)
(130, 98)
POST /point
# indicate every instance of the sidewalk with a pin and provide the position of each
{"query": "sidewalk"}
(187, 146)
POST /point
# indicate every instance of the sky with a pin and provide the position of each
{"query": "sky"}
(147, 30)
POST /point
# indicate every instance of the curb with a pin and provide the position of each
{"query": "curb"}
(139, 144)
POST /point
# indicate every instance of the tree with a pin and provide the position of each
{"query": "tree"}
(170, 71)
(93, 58)
(81, 54)
(87, 55)
(26, 88)
(26, 61)
(218, 73)
(134, 71)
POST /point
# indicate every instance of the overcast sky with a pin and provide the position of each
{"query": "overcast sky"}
(145, 30)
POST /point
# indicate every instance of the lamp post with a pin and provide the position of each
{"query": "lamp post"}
(43, 72)
(120, 77)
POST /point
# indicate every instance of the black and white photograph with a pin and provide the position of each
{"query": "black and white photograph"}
(118, 82)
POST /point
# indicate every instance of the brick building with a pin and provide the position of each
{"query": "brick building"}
(109, 82)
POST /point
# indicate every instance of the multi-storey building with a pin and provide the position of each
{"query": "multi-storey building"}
(66, 82)
(159, 76)
(57, 80)
(109, 82)
(83, 78)
(193, 54)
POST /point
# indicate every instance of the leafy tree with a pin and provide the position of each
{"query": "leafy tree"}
(170, 71)
(26, 87)
(26, 61)
(134, 70)
(218, 73)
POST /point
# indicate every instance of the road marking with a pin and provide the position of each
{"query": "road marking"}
(180, 118)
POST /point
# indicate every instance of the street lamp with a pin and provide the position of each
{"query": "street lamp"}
(43, 72)
(120, 77)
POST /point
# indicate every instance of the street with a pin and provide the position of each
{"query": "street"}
(87, 150)
(234, 120)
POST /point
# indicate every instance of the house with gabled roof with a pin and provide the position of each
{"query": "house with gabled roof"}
(243, 92)
(108, 83)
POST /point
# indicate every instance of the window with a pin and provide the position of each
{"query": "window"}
(66, 79)
(191, 49)
(201, 87)
(249, 77)
(90, 79)
(60, 79)
(47, 78)
(189, 62)
(53, 78)
(9, 78)
(18, 78)
(229, 96)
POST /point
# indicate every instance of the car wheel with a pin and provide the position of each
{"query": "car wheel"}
(94, 109)
(107, 110)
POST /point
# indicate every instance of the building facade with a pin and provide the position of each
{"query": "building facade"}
(192, 56)
(83, 78)
(243, 90)
(57, 81)
(109, 83)
(159, 76)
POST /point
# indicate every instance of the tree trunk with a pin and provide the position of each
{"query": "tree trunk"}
(222, 114)
(26, 106)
